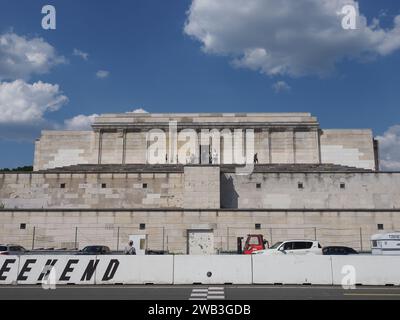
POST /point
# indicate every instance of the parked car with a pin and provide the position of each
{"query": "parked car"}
(338, 250)
(300, 247)
(94, 250)
(12, 249)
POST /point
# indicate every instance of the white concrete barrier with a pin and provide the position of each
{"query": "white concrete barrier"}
(8, 269)
(81, 269)
(57, 269)
(367, 270)
(212, 269)
(135, 269)
(292, 269)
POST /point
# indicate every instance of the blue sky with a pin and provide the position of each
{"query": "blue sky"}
(153, 63)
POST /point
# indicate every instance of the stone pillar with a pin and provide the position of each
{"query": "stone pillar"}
(98, 144)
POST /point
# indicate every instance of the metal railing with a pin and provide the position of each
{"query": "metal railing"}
(159, 238)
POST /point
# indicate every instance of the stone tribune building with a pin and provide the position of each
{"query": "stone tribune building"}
(101, 186)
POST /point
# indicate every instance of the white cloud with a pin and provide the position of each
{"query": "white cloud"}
(286, 37)
(21, 57)
(281, 86)
(389, 149)
(21, 102)
(139, 110)
(23, 107)
(79, 53)
(80, 122)
(102, 74)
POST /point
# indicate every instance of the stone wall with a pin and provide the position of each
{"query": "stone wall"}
(311, 190)
(202, 187)
(278, 138)
(353, 148)
(64, 148)
(112, 144)
(92, 190)
(167, 230)
(345, 147)
(135, 147)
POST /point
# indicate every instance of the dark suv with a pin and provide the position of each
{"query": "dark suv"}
(12, 249)
(93, 250)
(338, 250)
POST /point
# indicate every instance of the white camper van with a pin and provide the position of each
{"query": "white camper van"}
(386, 243)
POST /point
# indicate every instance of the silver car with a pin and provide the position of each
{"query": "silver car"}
(12, 249)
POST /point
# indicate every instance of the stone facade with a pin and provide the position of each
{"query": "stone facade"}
(167, 229)
(278, 138)
(348, 147)
(203, 187)
(101, 186)
(92, 190)
(64, 148)
(322, 190)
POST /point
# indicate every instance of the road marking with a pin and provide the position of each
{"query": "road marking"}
(315, 287)
(210, 293)
(371, 294)
(200, 290)
(215, 297)
(217, 292)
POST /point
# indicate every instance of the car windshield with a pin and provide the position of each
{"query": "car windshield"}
(276, 245)
(92, 249)
(3, 248)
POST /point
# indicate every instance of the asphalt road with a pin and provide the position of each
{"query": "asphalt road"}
(198, 292)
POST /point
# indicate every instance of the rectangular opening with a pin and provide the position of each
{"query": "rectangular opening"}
(62, 185)
(144, 185)
(142, 226)
(258, 185)
(103, 185)
(380, 226)
(257, 226)
(342, 185)
(22, 226)
(300, 185)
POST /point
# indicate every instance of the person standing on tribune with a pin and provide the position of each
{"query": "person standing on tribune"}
(130, 249)
(256, 158)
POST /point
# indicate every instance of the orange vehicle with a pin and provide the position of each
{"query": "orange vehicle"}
(253, 242)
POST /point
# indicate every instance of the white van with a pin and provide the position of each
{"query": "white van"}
(293, 247)
(386, 243)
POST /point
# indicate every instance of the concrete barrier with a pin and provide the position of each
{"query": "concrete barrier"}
(367, 270)
(8, 269)
(135, 269)
(292, 269)
(81, 269)
(212, 269)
